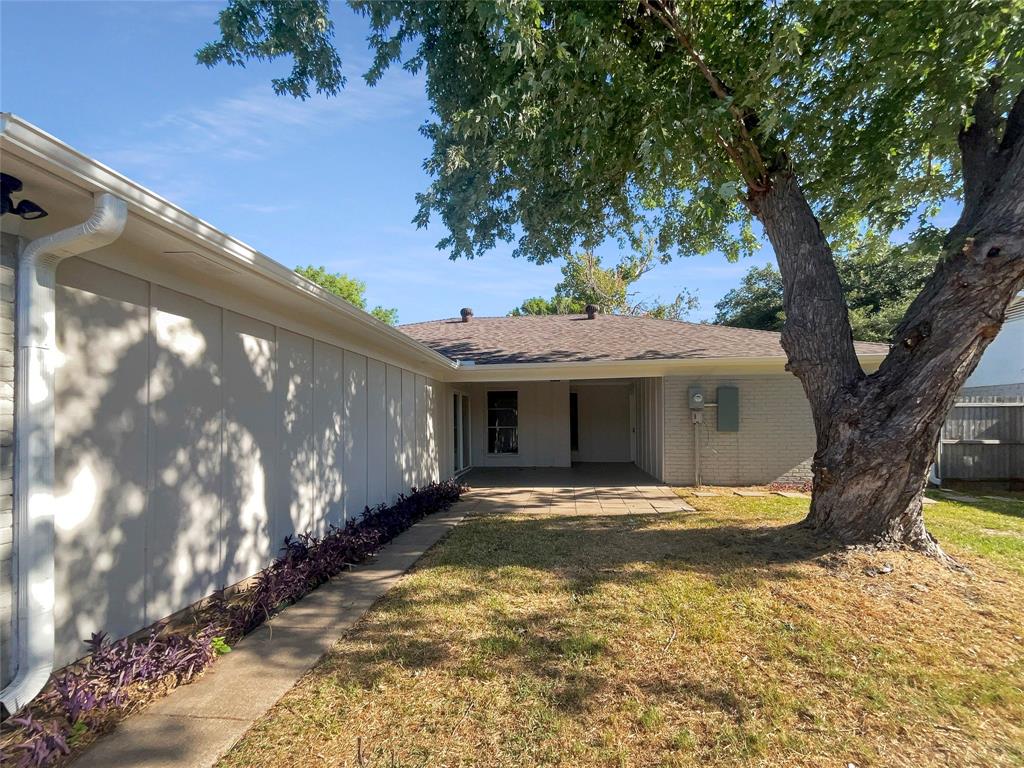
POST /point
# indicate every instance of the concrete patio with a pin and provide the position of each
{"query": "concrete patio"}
(589, 488)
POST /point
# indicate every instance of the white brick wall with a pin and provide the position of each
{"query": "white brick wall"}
(775, 440)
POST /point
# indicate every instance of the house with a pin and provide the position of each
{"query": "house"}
(174, 404)
(1000, 372)
(982, 439)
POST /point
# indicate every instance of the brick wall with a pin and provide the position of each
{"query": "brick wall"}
(775, 440)
(8, 251)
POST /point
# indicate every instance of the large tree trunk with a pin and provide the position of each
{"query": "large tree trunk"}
(876, 433)
(865, 494)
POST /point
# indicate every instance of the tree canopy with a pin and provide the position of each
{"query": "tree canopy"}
(879, 281)
(348, 288)
(585, 281)
(560, 124)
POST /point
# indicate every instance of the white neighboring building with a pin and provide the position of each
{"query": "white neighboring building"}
(1001, 370)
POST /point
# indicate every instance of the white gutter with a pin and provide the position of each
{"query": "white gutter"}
(35, 331)
(467, 372)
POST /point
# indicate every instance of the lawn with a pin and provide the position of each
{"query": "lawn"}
(718, 638)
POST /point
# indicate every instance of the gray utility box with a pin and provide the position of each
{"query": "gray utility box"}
(728, 399)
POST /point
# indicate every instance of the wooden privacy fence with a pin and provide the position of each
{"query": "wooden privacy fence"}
(983, 440)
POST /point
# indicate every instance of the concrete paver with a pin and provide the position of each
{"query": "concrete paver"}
(595, 489)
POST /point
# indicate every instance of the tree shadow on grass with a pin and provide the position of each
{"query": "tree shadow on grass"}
(502, 553)
(594, 549)
(706, 623)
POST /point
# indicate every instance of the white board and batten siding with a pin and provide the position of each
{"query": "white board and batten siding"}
(649, 425)
(604, 422)
(543, 424)
(192, 439)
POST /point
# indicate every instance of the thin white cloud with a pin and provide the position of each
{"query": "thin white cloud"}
(254, 125)
(267, 208)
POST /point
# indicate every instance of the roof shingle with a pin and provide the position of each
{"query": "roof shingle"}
(575, 338)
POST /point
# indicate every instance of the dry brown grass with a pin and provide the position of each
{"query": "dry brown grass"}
(726, 637)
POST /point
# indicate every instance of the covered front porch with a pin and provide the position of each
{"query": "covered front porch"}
(603, 427)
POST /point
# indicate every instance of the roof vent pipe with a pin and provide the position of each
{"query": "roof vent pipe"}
(467, 314)
(35, 333)
(591, 310)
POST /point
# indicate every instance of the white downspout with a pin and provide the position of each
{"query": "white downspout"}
(35, 331)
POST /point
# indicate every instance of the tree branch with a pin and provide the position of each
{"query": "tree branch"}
(664, 12)
(962, 306)
(1014, 124)
(816, 335)
(734, 155)
(979, 158)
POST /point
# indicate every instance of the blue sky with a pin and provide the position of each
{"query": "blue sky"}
(326, 181)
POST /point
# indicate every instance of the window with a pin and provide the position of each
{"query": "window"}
(503, 422)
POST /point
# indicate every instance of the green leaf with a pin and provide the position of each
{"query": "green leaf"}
(728, 190)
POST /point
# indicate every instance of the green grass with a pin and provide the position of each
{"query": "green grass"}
(990, 529)
(723, 638)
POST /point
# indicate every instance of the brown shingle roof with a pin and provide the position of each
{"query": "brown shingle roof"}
(574, 338)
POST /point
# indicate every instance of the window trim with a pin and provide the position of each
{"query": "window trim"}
(487, 421)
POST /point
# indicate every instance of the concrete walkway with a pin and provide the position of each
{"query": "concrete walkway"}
(198, 723)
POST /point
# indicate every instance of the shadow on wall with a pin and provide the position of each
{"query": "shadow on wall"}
(187, 448)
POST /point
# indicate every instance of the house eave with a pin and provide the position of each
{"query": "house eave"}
(616, 369)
